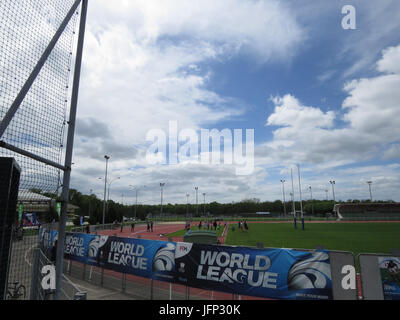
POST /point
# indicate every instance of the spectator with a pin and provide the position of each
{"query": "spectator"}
(246, 227)
(132, 227)
(151, 226)
(200, 225)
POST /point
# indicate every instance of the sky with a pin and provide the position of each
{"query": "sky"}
(312, 93)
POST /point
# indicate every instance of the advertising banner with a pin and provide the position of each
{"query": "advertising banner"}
(268, 273)
(20, 212)
(390, 275)
(30, 219)
(145, 258)
(58, 208)
(47, 239)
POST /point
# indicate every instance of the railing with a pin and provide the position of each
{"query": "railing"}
(69, 290)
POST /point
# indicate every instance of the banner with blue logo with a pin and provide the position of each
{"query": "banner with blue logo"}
(145, 258)
(268, 273)
(390, 275)
(47, 239)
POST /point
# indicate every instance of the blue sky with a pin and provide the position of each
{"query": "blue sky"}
(286, 69)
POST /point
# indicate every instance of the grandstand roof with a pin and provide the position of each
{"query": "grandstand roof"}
(29, 196)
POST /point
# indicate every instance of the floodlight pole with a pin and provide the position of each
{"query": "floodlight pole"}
(332, 182)
(136, 203)
(284, 201)
(69, 149)
(108, 193)
(204, 208)
(197, 206)
(370, 192)
(161, 186)
(136, 189)
(105, 189)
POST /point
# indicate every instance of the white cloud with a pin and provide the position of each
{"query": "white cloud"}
(290, 112)
(307, 134)
(390, 62)
(146, 63)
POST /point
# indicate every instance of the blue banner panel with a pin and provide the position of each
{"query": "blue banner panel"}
(268, 273)
(47, 241)
(390, 275)
(145, 258)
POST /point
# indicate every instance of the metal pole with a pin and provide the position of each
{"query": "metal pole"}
(105, 188)
(284, 201)
(293, 203)
(333, 192)
(68, 154)
(312, 202)
(204, 207)
(301, 201)
(161, 186)
(187, 206)
(370, 192)
(197, 205)
(35, 273)
(136, 204)
(31, 155)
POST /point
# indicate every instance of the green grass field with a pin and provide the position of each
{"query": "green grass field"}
(182, 232)
(353, 237)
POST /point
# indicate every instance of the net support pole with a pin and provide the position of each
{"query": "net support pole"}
(69, 148)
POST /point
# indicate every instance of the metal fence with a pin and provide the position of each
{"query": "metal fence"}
(21, 264)
(375, 276)
(139, 288)
(69, 290)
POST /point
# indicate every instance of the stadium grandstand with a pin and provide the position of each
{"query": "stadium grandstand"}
(368, 211)
(44, 208)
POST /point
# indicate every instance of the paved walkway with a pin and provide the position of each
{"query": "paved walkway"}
(95, 292)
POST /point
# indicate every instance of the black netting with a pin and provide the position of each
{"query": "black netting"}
(27, 27)
(40, 124)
